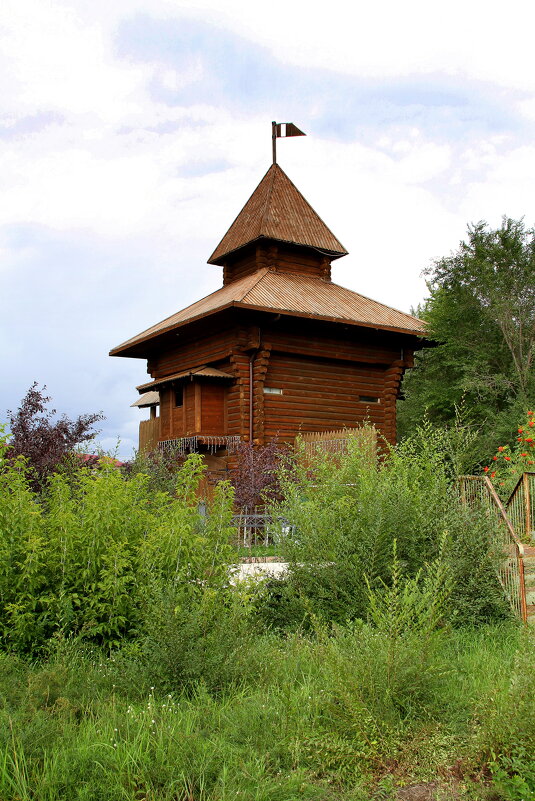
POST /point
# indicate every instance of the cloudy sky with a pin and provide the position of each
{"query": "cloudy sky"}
(133, 131)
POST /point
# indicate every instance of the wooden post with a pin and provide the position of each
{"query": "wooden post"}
(171, 411)
(198, 409)
(522, 588)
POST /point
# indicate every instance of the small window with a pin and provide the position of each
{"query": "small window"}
(179, 397)
(272, 391)
(369, 399)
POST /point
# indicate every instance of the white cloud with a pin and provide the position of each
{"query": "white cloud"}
(387, 38)
(101, 163)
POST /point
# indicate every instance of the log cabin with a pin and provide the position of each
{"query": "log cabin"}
(279, 349)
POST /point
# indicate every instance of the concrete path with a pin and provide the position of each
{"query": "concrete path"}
(257, 570)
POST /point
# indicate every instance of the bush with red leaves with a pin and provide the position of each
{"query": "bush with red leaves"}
(255, 478)
(43, 441)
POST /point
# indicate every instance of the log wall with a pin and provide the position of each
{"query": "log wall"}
(317, 395)
(326, 372)
(286, 258)
(215, 347)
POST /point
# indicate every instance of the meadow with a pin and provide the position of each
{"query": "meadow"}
(384, 665)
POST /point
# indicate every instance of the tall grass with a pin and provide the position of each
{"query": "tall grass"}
(132, 670)
(301, 717)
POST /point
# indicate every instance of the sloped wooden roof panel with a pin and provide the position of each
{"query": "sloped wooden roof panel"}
(218, 299)
(277, 210)
(204, 372)
(286, 293)
(308, 295)
(147, 399)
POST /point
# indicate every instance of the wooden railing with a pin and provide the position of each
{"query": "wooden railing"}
(478, 493)
(520, 507)
(337, 441)
(149, 434)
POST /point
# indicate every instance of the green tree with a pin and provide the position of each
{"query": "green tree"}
(481, 314)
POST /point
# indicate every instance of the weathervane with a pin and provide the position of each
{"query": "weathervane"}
(279, 129)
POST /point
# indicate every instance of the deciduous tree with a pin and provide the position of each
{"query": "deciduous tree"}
(43, 440)
(481, 313)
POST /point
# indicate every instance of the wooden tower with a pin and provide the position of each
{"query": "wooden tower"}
(278, 350)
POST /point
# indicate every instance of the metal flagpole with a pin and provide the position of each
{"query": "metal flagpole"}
(274, 140)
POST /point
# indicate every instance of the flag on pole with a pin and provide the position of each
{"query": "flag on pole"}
(287, 129)
(279, 129)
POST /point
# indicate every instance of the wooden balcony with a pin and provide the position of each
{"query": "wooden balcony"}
(201, 443)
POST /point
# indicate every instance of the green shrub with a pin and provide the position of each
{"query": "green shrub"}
(85, 559)
(162, 468)
(188, 641)
(347, 512)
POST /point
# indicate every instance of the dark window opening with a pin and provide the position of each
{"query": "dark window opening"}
(179, 396)
(369, 399)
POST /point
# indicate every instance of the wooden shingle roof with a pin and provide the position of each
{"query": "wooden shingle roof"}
(291, 294)
(277, 210)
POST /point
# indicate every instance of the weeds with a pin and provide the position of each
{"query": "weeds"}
(301, 717)
(347, 513)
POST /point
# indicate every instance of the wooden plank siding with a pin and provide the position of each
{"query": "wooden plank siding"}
(149, 434)
(212, 408)
(203, 410)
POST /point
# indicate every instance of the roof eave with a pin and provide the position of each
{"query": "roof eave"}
(122, 350)
(188, 375)
(329, 319)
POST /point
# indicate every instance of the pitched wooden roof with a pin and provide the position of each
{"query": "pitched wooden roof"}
(277, 210)
(292, 294)
(147, 399)
(202, 372)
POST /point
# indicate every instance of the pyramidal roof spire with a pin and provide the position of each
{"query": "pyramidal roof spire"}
(277, 210)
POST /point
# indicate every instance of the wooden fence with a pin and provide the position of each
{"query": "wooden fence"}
(149, 434)
(338, 441)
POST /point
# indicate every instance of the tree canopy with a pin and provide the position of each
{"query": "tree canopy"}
(43, 440)
(481, 314)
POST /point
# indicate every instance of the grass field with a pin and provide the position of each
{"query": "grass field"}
(319, 717)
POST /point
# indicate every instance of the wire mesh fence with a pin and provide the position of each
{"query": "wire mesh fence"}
(520, 507)
(260, 528)
(478, 493)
